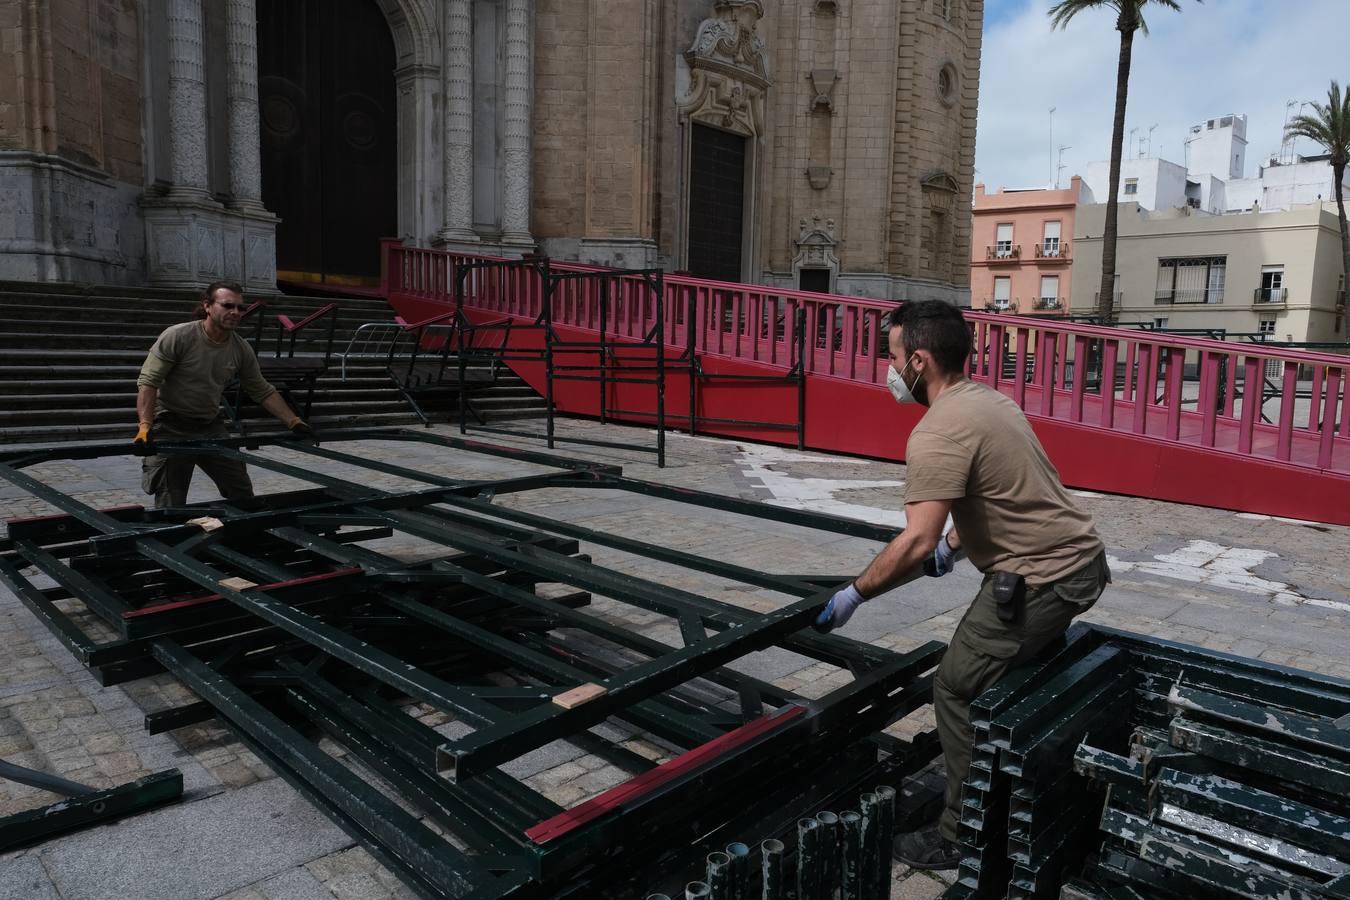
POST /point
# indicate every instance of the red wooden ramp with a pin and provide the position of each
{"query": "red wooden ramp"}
(1230, 425)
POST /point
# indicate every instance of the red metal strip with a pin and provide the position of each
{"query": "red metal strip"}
(634, 788)
(211, 598)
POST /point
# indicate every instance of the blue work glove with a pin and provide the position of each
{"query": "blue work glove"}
(839, 610)
(942, 561)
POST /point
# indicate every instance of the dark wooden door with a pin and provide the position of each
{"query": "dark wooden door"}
(329, 126)
(716, 203)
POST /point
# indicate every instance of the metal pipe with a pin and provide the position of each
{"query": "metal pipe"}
(871, 820)
(808, 859)
(829, 854)
(885, 835)
(697, 890)
(719, 875)
(34, 778)
(740, 870)
(771, 870)
(851, 886)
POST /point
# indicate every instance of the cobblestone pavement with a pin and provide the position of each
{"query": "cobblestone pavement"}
(1274, 589)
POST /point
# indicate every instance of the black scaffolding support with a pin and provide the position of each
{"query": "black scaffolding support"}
(617, 360)
(288, 621)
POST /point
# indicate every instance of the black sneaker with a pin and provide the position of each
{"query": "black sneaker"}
(926, 849)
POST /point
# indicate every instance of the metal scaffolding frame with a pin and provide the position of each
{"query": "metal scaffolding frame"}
(617, 361)
(289, 622)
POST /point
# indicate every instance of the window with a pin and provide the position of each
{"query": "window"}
(1049, 292)
(1131, 186)
(1192, 279)
(1265, 326)
(1272, 285)
(947, 81)
(945, 7)
(1002, 292)
(1003, 241)
(1050, 244)
(1160, 322)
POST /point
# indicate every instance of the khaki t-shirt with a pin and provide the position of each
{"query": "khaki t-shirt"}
(975, 448)
(191, 371)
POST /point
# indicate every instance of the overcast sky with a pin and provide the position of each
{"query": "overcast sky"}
(1225, 56)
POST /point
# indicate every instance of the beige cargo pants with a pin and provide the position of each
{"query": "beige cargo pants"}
(984, 648)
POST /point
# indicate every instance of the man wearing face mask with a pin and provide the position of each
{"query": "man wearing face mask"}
(974, 456)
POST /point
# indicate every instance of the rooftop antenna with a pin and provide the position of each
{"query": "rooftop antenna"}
(1287, 143)
(1053, 174)
(1132, 139)
(1150, 138)
(1059, 166)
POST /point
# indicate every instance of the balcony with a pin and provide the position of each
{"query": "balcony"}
(1116, 302)
(1003, 253)
(1270, 295)
(997, 305)
(1052, 252)
(1049, 303)
(1189, 296)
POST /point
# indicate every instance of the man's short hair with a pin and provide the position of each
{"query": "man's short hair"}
(934, 326)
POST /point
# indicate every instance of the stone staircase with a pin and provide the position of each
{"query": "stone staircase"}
(69, 357)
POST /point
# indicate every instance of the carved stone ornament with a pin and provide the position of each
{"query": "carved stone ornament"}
(819, 176)
(939, 190)
(823, 82)
(816, 245)
(728, 69)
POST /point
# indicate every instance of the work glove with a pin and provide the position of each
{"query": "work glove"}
(301, 431)
(942, 561)
(839, 610)
(141, 445)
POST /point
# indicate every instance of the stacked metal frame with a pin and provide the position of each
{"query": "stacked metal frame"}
(1132, 766)
(289, 623)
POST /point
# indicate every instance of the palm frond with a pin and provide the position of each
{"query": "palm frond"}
(1328, 125)
(1064, 11)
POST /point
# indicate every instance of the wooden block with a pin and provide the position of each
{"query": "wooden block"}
(579, 695)
(206, 523)
(238, 584)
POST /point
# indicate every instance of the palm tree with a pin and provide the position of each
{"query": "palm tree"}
(1330, 127)
(1129, 19)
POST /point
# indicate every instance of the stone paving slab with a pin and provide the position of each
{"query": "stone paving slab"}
(1273, 589)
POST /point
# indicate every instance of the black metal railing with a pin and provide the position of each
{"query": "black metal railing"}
(1049, 303)
(1270, 295)
(1188, 296)
(1003, 253)
(1053, 250)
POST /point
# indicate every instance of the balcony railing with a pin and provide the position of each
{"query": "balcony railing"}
(1050, 303)
(1270, 295)
(996, 305)
(1010, 253)
(1058, 251)
(1115, 303)
(1189, 296)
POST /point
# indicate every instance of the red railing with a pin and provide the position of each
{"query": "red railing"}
(1258, 401)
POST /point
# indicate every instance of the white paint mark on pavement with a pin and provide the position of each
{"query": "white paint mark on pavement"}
(817, 494)
(1204, 562)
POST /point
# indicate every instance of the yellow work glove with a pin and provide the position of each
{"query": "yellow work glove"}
(142, 445)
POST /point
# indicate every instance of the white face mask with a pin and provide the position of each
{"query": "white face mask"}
(900, 388)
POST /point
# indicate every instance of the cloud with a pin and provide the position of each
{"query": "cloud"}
(1225, 56)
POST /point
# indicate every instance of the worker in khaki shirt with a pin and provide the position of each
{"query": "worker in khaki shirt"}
(974, 456)
(178, 398)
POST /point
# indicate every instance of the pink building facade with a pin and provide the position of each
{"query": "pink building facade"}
(1021, 256)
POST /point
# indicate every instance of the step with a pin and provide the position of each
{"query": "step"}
(127, 398)
(56, 416)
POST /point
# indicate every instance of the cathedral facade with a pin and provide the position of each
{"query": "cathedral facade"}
(820, 144)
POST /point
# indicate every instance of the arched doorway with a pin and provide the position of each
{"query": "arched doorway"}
(329, 127)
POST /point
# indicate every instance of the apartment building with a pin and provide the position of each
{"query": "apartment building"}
(1021, 252)
(1275, 273)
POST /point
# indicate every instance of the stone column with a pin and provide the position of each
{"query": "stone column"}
(241, 28)
(458, 174)
(516, 124)
(187, 101)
